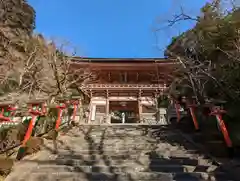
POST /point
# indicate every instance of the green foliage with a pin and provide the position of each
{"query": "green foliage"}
(216, 40)
(163, 101)
(216, 73)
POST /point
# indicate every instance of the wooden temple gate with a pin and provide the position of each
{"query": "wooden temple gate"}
(125, 90)
(138, 102)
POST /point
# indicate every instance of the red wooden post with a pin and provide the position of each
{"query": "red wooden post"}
(60, 108)
(29, 130)
(28, 134)
(34, 114)
(217, 112)
(192, 108)
(75, 106)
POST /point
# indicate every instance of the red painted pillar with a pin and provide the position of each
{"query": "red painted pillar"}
(34, 114)
(192, 108)
(74, 112)
(60, 108)
(75, 106)
(29, 130)
(218, 114)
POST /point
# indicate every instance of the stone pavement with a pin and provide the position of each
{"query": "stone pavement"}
(116, 153)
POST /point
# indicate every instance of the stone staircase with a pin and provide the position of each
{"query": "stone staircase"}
(116, 153)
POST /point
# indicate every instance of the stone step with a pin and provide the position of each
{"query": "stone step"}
(121, 154)
(135, 152)
(116, 140)
(94, 176)
(79, 160)
(114, 156)
(126, 149)
(108, 166)
(108, 131)
(118, 135)
(114, 168)
(116, 149)
(100, 136)
(128, 159)
(136, 141)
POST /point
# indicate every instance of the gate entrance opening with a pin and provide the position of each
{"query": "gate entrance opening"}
(124, 111)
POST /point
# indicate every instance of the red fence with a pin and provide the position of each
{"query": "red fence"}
(215, 110)
(35, 109)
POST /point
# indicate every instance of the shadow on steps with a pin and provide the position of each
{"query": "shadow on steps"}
(71, 163)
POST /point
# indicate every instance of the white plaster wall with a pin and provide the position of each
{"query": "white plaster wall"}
(147, 101)
(122, 98)
(98, 100)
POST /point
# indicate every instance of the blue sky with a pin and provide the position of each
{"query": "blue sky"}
(112, 28)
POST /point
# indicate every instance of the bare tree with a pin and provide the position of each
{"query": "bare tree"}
(206, 53)
(41, 70)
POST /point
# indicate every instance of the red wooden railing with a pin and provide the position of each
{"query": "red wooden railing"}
(7, 107)
(37, 108)
(216, 111)
(192, 107)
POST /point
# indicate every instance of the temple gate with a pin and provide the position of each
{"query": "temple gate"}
(125, 90)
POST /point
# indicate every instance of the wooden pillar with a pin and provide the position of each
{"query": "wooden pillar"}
(140, 106)
(80, 112)
(89, 112)
(155, 100)
(107, 109)
(139, 110)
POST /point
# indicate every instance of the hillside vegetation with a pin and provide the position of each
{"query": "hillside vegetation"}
(209, 56)
(31, 66)
(209, 59)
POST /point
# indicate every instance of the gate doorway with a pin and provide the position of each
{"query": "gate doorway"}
(124, 111)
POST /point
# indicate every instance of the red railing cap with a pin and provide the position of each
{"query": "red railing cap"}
(61, 106)
(36, 112)
(218, 112)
